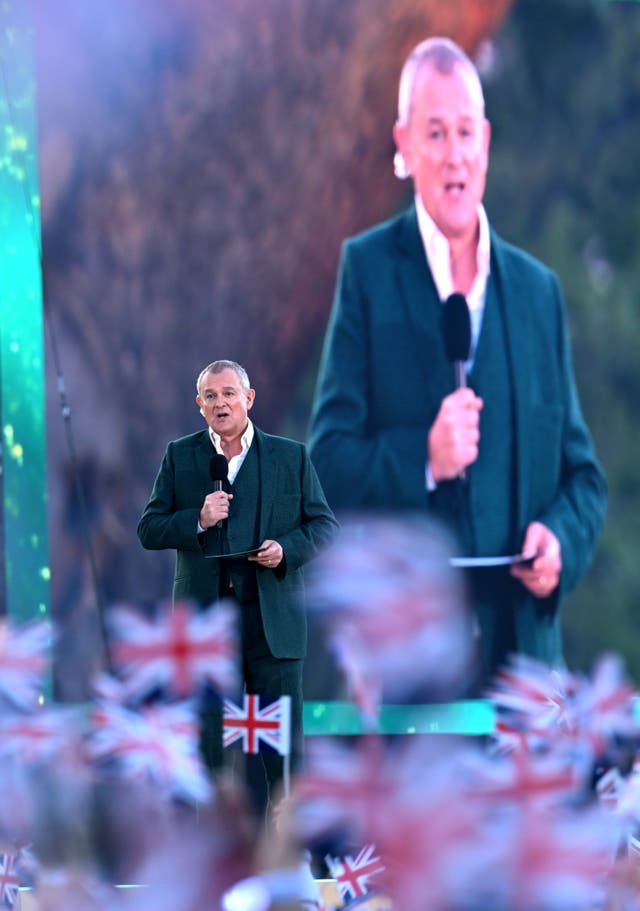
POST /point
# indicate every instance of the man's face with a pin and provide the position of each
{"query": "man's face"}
(445, 146)
(224, 403)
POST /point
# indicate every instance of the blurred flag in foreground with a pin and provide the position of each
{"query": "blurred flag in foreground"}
(180, 650)
(159, 742)
(395, 611)
(23, 661)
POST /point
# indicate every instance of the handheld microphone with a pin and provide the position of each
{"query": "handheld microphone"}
(456, 327)
(218, 472)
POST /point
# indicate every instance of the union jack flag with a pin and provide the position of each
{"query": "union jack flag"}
(540, 698)
(450, 843)
(23, 662)
(41, 736)
(585, 715)
(529, 779)
(160, 742)
(604, 705)
(253, 725)
(182, 649)
(9, 879)
(352, 875)
(390, 580)
(345, 789)
(431, 836)
(556, 861)
(507, 737)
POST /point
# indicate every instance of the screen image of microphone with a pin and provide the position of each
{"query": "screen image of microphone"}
(456, 327)
(218, 471)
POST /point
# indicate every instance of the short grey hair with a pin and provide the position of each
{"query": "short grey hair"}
(443, 55)
(219, 366)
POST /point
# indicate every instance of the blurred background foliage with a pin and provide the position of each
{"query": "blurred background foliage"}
(201, 163)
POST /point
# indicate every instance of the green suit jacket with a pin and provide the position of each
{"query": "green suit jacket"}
(383, 375)
(293, 512)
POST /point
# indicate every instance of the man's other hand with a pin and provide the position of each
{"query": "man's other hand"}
(543, 575)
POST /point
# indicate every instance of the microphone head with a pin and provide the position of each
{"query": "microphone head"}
(218, 467)
(456, 326)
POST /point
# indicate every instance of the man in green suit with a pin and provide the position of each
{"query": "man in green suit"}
(272, 500)
(507, 463)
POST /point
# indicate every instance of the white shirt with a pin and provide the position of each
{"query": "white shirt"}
(436, 248)
(235, 462)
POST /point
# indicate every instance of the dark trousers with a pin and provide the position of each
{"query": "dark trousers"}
(493, 596)
(263, 675)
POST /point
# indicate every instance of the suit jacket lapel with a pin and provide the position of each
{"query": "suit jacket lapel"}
(268, 479)
(513, 299)
(422, 306)
(203, 453)
(268, 473)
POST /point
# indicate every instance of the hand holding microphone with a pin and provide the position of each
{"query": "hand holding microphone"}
(215, 508)
(455, 433)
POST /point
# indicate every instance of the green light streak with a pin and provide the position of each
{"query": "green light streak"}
(473, 717)
(24, 487)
